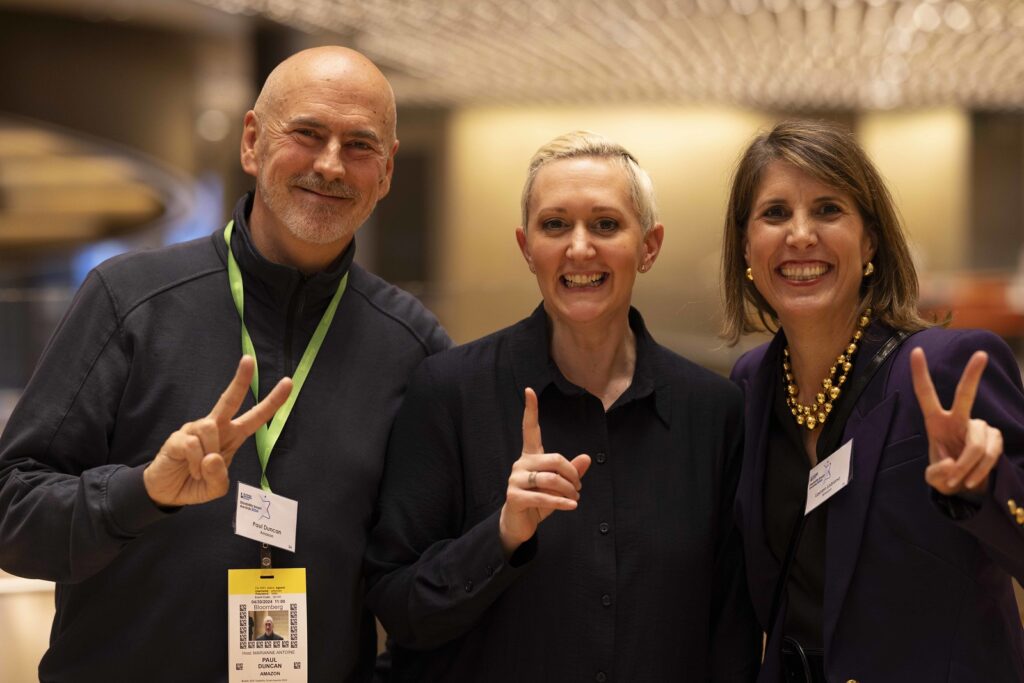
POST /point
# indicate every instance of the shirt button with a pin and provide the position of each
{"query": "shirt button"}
(469, 586)
(490, 570)
(606, 600)
(601, 677)
(601, 458)
(604, 527)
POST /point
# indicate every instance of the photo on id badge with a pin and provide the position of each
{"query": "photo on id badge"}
(270, 625)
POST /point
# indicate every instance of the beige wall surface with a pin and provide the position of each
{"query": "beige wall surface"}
(26, 612)
(924, 157)
(689, 153)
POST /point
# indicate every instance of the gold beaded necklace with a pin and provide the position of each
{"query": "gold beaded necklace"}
(814, 414)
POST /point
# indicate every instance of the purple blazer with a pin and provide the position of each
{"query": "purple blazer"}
(911, 594)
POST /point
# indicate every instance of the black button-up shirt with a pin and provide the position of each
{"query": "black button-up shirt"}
(642, 582)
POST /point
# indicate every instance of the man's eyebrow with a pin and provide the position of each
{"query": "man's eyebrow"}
(306, 121)
(365, 134)
(311, 122)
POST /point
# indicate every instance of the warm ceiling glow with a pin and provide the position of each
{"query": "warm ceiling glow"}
(787, 54)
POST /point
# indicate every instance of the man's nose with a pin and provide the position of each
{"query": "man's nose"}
(329, 163)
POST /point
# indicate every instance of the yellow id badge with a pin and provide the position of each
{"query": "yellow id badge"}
(267, 625)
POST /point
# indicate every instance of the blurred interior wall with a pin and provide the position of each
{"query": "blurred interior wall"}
(175, 95)
(689, 153)
(997, 190)
(924, 156)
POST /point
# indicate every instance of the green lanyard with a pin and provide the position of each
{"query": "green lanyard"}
(266, 436)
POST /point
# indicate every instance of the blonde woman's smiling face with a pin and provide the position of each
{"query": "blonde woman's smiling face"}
(584, 240)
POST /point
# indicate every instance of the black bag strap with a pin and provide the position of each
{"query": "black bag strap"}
(838, 418)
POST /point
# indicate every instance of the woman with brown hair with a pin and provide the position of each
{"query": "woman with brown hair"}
(880, 532)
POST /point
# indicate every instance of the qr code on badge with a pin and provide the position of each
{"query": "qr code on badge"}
(293, 619)
(243, 626)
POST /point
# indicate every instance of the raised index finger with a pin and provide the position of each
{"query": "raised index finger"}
(923, 387)
(531, 424)
(967, 387)
(231, 400)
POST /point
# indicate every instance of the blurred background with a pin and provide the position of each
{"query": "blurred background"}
(120, 124)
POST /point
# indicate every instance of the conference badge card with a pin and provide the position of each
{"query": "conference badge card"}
(267, 626)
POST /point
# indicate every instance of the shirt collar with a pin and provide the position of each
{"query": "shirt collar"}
(534, 367)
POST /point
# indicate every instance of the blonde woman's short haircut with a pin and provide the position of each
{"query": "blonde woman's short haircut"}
(580, 144)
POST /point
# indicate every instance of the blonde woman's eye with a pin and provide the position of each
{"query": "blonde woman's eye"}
(553, 224)
(606, 225)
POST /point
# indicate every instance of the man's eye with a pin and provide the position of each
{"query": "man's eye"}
(306, 133)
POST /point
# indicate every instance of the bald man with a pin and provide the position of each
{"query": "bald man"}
(268, 630)
(115, 464)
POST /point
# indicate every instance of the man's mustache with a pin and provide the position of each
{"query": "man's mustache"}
(317, 184)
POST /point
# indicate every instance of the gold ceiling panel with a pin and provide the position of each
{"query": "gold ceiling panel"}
(57, 189)
(792, 54)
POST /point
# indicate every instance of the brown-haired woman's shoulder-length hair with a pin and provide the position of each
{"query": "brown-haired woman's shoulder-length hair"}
(830, 154)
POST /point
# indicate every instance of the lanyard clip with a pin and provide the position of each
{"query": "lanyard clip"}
(265, 562)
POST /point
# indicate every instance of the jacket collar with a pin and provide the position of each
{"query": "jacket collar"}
(278, 280)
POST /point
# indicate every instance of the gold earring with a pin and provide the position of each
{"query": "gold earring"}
(750, 274)
(868, 269)
(643, 267)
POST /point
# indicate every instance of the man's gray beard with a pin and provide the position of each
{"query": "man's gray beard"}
(315, 226)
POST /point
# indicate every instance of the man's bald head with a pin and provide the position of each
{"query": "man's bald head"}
(332, 67)
(321, 143)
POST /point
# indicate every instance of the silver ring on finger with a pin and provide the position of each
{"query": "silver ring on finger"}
(532, 480)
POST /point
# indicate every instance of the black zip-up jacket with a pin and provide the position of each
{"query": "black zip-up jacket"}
(149, 343)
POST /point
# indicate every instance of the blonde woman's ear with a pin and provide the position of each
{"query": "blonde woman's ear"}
(524, 248)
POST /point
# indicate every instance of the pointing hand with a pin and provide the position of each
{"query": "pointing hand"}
(540, 483)
(192, 465)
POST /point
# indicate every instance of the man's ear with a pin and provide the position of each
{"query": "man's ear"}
(389, 169)
(250, 131)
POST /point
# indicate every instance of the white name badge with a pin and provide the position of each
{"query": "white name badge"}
(267, 626)
(266, 517)
(829, 476)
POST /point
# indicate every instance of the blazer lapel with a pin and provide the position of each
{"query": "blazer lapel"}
(847, 511)
(762, 566)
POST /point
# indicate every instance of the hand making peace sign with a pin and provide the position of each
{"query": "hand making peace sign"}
(961, 451)
(540, 483)
(192, 465)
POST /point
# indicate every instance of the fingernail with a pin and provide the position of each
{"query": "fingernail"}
(952, 483)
